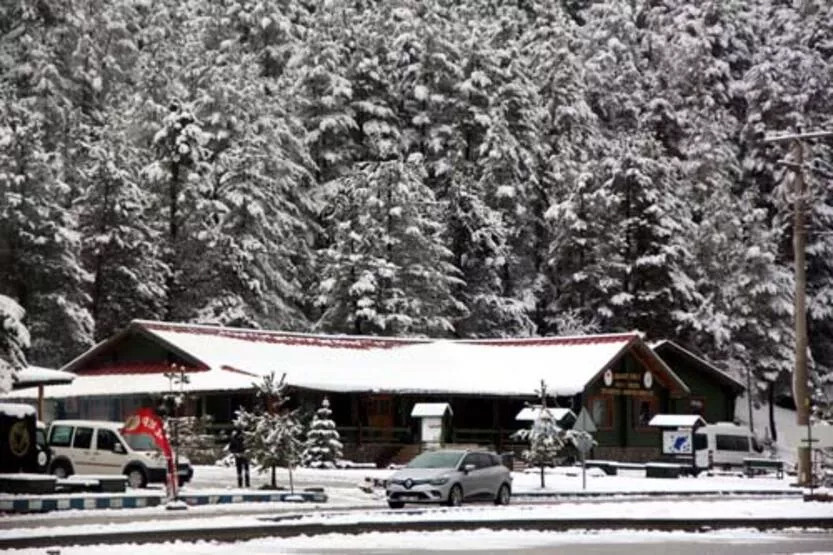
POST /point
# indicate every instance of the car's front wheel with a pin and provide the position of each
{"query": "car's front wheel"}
(396, 504)
(503, 495)
(455, 496)
(61, 470)
(136, 478)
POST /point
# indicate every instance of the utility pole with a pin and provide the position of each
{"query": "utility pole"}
(800, 393)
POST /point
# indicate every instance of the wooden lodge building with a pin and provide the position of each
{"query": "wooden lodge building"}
(373, 383)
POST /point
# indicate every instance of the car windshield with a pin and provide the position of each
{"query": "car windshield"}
(140, 442)
(436, 459)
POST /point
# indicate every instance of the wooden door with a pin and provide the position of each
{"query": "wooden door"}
(380, 415)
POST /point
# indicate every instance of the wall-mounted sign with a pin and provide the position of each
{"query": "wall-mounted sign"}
(608, 377)
(676, 442)
(632, 384)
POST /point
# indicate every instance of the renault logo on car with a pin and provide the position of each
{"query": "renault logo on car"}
(409, 483)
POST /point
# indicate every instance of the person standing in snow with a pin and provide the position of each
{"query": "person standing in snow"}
(237, 447)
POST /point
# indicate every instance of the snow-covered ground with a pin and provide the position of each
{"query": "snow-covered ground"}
(789, 432)
(344, 484)
(623, 510)
(482, 541)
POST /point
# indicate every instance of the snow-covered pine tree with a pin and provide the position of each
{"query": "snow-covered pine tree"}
(40, 262)
(545, 442)
(120, 247)
(569, 133)
(271, 31)
(272, 433)
(14, 340)
(322, 93)
(178, 174)
(195, 440)
(427, 66)
(545, 438)
(253, 215)
(387, 271)
(508, 165)
(322, 448)
(787, 89)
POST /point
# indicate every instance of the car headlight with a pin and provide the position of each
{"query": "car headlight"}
(439, 481)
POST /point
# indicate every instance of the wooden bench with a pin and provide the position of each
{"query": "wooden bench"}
(103, 483)
(27, 483)
(663, 470)
(751, 466)
(608, 467)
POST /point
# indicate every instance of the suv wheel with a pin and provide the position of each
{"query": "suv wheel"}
(136, 477)
(61, 470)
(503, 495)
(455, 496)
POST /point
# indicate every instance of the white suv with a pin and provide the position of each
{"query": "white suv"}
(98, 447)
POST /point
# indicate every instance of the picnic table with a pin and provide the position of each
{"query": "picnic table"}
(663, 470)
(752, 465)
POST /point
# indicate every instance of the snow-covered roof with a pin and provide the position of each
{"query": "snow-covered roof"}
(430, 409)
(676, 420)
(221, 379)
(231, 359)
(704, 364)
(531, 413)
(33, 376)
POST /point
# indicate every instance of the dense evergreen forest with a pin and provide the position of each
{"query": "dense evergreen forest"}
(471, 168)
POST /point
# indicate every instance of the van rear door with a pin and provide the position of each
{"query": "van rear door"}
(731, 448)
(701, 449)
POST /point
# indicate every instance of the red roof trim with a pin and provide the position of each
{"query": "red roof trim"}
(365, 342)
(555, 341)
(238, 371)
(135, 368)
(340, 342)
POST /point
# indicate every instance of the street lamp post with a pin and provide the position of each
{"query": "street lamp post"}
(800, 393)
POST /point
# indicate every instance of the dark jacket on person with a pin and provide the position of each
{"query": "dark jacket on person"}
(236, 445)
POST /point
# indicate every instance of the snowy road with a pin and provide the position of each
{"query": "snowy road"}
(482, 541)
(360, 514)
(648, 515)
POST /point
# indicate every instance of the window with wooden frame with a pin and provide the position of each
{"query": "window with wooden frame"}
(601, 410)
(642, 410)
(698, 406)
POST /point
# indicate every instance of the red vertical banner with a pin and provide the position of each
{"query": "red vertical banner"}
(145, 421)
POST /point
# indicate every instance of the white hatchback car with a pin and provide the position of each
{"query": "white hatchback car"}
(450, 477)
(98, 447)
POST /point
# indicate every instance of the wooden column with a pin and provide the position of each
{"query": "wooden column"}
(40, 402)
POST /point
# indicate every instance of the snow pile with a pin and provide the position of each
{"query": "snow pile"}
(16, 410)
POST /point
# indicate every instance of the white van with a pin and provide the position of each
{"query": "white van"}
(98, 447)
(724, 444)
